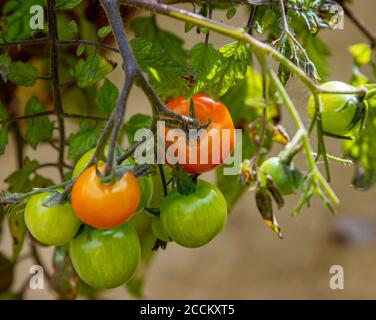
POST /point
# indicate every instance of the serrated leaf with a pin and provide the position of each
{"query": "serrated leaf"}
(203, 59)
(91, 70)
(67, 4)
(5, 66)
(64, 278)
(104, 32)
(19, 181)
(40, 128)
(166, 75)
(361, 52)
(17, 227)
(83, 140)
(147, 28)
(136, 122)
(107, 97)
(23, 74)
(231, 67)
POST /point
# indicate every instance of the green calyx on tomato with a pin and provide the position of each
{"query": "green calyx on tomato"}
(194, 220)
(50, 225)
(285, 176)
(340, 113)
(106, 259)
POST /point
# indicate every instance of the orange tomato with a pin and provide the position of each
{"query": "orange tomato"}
(215, 143)
(105, 206)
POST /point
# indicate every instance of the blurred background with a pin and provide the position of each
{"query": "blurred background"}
(248, 261)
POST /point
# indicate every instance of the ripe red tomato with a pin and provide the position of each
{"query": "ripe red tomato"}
(105, 206)
(217, 117)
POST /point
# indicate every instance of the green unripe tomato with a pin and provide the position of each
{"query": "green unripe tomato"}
(194, 220)
(147, 186)
(106, 259)
(158, 231)
(340, 113)
(286, 177)
(51, 226)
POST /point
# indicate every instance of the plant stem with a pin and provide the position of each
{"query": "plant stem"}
(54, 55)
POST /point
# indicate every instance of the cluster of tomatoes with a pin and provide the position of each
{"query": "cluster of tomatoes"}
(105, 248)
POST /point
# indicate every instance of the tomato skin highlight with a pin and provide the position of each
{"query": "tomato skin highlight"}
(106, 259)
(336, 119)
(51, 226)
(105, 206)
(286, 177)
(207, 111)
(194, 220)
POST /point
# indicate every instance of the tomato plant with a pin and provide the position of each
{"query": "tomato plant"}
(216, 118)
(106, 258)
(56, 95)
(50, 225)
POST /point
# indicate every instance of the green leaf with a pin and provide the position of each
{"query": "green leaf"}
(19, 181)
(91, 70)
(166, 75)
(104, 32)
(231, 12)
(83, 140)
(231, 67)
(3, 139)
(107, 97)
(183, 181)
(17, 227)
(3, 112)
(361, 52)
(80, 50)
(5, 66)
(64, 278)
(23, 74)
(16, 19)
(40, 128)
(73, 27)
(147, 28)
(203, 60)
(67, 4)
(136, 122)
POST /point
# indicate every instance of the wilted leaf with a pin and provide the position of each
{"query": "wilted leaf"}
(6, 273)
(64, 279)
(17, 227)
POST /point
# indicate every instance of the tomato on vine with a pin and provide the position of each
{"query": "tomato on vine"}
(194, 220)
(105, 205)
(205, 155)
(340, 113)
(285, 176)
(50, 225)
(106, 258)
